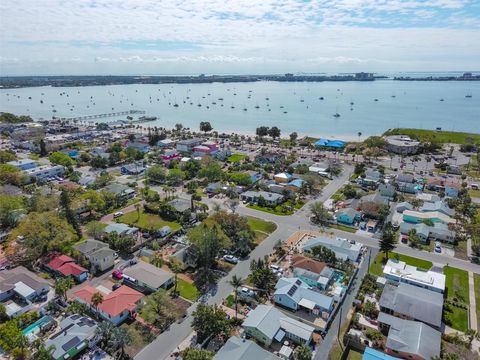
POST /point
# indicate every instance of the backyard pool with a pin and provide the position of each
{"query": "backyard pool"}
(34, 328)
(338, 277)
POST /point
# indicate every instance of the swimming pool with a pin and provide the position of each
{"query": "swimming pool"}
(338, 277)
(35, 327)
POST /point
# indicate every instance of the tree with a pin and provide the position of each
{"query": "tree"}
(94, 201)
(205, 126)
(119, 340)
(413, 238)
(293, 138)
(98, 162)
(65, 203)
(62, 285)
(42, 232)
(320, 213)
(302, 352)
(97, 299)
(11, 338)
(10, 209)
(212, 172)
(175, 176)
(157, 260)
(6, 156)
(156, 174)
(370, 309)
(137, 208)
(387, 241)
(43, 148)
(262, 276)
(210, 321)
(159, 309)
(232, 204)
(324, 254)
(236, 282)
(41, 352)
(104, 332)
(274, 132)
(94, 229)
(191, 353)
(472, 335)
(3, 312)
(10, 174)
(262, 131)
(176, 268)
(76, 307)
(178, 127)
(61, 158)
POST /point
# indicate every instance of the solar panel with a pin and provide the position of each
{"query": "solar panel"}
(298, 282)
(292, 290)
(71, 343)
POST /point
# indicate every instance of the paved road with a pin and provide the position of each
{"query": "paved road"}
(167, 342)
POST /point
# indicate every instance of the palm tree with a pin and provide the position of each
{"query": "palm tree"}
(62, 286)
(236, 282)
(97, 299)
(472, 335)
(176, 268)
(104, 331)
(216, 207)
(157, 260)
(359, 135)
(119, 340)
(137, 207)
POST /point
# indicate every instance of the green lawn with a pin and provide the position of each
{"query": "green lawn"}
(261, 225)
(456, 283)
(187, 290)
(376, 267)
(476, 278)
(438, 136)
(343, 228)
(147, 221)
(236, 157)
(474, 193)
(276, 210)
(458, 318)
(230, 301)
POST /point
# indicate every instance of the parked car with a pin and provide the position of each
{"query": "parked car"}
(246, 292)
(117, 214)
(404, 239)
(276, 269)
(230, 259)
(116, 286)
(438, 247)
(116, 274)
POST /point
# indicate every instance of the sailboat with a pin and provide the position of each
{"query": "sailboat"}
(337, 115)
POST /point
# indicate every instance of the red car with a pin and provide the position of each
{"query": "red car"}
(116, 274)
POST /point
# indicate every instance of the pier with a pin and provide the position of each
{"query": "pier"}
(98, 116)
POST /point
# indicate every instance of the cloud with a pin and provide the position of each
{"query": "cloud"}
(342, 33)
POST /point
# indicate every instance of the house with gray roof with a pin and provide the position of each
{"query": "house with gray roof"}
(439, 206)
(267, 324)
(437, 232)
(269, 197)
(120, 229)
(181, 204)
(343, 248)
(99, 254)
(387, 190)
(295, 294)
(402, 206)
(412, 339)
(146, 277)
(76, 333)
(414, 303)
(120, 190)
(240, 349)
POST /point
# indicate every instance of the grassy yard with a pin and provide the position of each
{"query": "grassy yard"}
(236, 158)
(438, 136)
(376, 267)
(147, 221)
(474, 193)
(343, 228)
(476, 278)
(187, 290)
(354, 355)
(457, 284)
(276, 210)
(140, 337)
(261, 228)
(458, 318)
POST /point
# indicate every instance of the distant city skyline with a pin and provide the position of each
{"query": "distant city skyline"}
(150, 37)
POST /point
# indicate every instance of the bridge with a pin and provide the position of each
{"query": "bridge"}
(98, 116)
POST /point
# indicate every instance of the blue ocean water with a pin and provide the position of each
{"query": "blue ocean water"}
(294, 106)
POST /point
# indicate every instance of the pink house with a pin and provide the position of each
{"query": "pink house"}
(170, 155)
(207, 147)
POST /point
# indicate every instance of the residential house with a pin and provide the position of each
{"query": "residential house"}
(312, 272)
(121, 229)
(216, 188)
(86, 180)
(408, 188)
(416, 217)
(428, 197)
(397, 271)
(165, 143)
(168, 156)
(142, 147)
(413, 303)
(99, 254)
(372, 354)
(181, 205)
(269, 158)
(63, 265)
(45, 172)
(410, 339)
(347, 216)
(439, 206)
(23, 164)
(267, 324)
(147, 277)
(222, 155)
(294, 294)
(116, 307)
(295, 185)
(402, 206)
(405, 178)
(270, 198)
(99, 151)
(282, 178)
(449, 188)
(387, 190)
(136, 168)
(188, 144)
(372, 177)
(76, 333)
(437, 232)
(120, 191)
(255, 176)
(344, 249)
(19, 288)
(241, 349)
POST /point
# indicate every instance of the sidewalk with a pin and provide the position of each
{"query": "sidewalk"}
(473, 308)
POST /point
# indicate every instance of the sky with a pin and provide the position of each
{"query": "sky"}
(154, 37)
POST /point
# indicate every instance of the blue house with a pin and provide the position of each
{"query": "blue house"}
(372, 354)
(294, 294)
(144, 148)
(23, 164)
(347, 216)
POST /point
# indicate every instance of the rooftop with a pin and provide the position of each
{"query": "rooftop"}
(241, 349)
(150, 275)
(414, 275)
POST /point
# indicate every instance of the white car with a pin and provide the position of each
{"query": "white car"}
(117, 214)
(276, 269)
(230, 259)
(246, 292)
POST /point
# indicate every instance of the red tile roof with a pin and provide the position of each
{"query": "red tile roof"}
(308, 264)
(66, 265)
(124, 298)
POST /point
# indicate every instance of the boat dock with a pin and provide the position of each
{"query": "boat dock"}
(98, 116)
